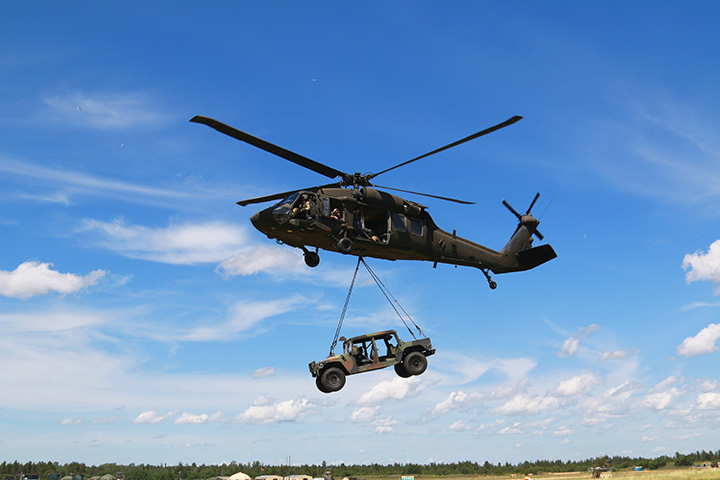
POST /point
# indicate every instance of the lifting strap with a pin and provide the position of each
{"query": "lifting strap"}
(388, 297)
(344, 310)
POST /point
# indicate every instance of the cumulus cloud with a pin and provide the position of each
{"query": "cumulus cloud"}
(34, 278)
(704, 266)
(396, 389)
(263, 412)
(364, 414)
(524, 404)
(704, 342)
(708, 401)
(577, 385)
(571, 345)
(455, 401)
(152, 417)
(201, 419)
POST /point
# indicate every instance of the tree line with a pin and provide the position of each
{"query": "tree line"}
(253, 469)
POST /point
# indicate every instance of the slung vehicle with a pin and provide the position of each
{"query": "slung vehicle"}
(366, 353)
(352, 217)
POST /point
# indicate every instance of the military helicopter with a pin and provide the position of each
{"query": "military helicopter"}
(351, 217)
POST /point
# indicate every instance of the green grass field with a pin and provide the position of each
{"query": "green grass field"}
(661, 474)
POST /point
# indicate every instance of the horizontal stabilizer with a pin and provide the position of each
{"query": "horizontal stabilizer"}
(533, 257)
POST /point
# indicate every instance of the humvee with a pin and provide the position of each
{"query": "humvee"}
(369, 352)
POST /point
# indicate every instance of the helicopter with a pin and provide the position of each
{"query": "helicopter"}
(354, 217)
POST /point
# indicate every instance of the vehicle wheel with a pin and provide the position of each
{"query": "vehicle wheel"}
(400, 370)
(312, 259)
(415, 363)
(332, 379)
(345, 245)
(319, 385)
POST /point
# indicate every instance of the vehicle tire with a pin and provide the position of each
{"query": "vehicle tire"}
(345, 245)
(319, 385)
(400, 370)
(332, 379)
(312, 259)
(415, 363)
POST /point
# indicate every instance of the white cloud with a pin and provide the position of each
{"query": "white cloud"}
(71, 421)
(201, 419)
(262, 259)
(524, 404)
(460, 426)
(708, 401)
(395, 389)
(704, 266)
(455, 401)
(578, 385)
(105, 111)
(242, 317)
(564, 431)
(364, 414)
(704, 342)
(288, 411)
(571, 345)
(34, 278)
(264, 372)
(613, 355)
(185, 244)
(152, 417)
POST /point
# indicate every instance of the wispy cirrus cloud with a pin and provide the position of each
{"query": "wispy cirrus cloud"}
(33, 278)
(106, 110)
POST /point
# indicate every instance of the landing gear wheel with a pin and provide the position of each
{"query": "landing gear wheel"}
(491, 282)
(319, 385)
(332, 379)
(312, 259)
(415, 363)
(400, 370)
(345, 245)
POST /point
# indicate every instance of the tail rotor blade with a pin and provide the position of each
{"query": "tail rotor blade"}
(532, 204)
(504, 202)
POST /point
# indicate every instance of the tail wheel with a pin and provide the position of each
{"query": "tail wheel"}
(332, 379)
(415, 363)
(400, 370)
(345, 245)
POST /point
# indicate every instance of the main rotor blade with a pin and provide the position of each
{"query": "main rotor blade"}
(269, 147)
(428, 195)
(504, 124)
(280, 196)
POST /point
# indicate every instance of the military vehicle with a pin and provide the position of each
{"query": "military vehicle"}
(351, 217)
(366, 353)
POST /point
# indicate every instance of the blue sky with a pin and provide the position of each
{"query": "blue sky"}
(144, 320)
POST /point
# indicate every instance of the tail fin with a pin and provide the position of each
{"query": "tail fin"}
(535, 256)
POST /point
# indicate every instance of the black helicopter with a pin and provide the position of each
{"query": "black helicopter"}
(351, 217)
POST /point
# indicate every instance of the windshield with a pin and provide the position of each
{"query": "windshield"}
(281, 212)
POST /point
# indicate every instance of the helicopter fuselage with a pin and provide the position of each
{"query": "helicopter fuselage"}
(371, 223)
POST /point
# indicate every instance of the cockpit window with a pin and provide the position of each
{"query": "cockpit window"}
(281, 212)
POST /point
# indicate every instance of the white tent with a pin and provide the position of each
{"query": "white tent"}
(239, 476)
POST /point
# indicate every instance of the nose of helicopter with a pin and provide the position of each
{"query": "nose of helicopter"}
(262, 220)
